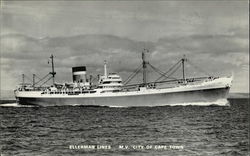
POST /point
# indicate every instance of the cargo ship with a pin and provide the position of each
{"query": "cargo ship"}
(110, 90)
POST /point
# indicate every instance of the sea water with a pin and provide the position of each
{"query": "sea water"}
(166, 130)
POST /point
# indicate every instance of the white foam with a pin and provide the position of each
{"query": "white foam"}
(74, 104)
(219, 102)
(14, 105)
(118, 106)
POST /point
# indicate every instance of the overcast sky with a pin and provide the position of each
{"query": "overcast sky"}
(213, 35)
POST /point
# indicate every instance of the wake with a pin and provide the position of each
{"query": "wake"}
(219, 102)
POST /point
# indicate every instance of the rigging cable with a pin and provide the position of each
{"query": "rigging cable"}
(38, 77)
(46, 81)
(168, 70)
(42, 78)
(201, 70)
(95, 79)
(133, 75)
(159, 71)
(27, 77)
(172, 72)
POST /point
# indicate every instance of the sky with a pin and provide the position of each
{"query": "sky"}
(213, 35)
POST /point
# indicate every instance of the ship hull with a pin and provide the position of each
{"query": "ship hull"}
(190, 97)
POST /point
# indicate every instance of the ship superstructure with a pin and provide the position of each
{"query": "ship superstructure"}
(110, 90)
(109, 83)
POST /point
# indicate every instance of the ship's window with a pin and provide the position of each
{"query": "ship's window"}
(106, 82)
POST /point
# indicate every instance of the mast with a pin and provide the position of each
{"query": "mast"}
(183, 67)
(23, 79)
(144, 66)
(90, 79)
(33, 80)
(53, 73)
(105, 69)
